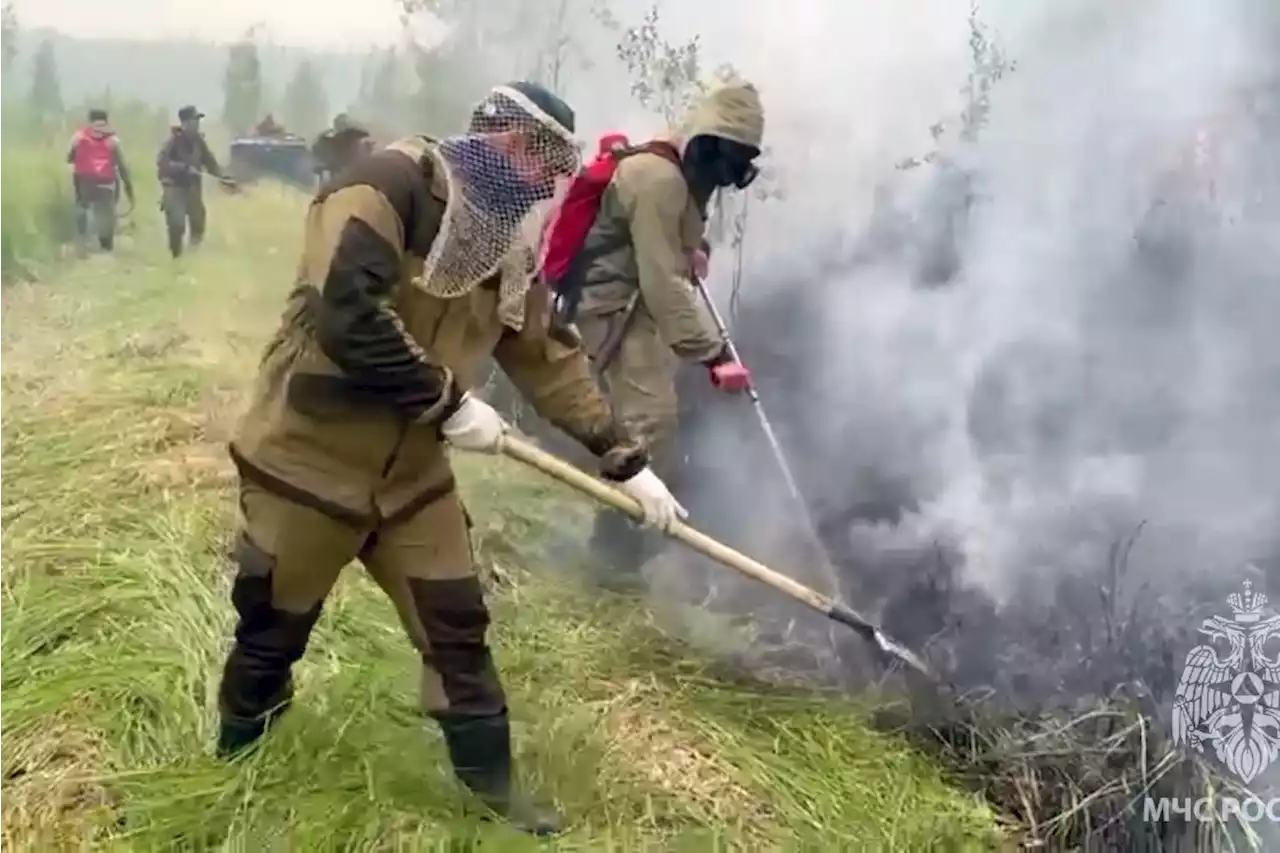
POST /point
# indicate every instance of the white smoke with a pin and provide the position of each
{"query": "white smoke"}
(1064, 386)
(1126, 395)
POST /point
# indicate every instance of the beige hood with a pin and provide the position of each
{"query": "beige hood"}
(731, 111)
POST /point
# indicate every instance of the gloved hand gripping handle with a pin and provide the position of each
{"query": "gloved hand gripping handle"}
(524, 452)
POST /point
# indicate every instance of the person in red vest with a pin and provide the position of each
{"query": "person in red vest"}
(98, 172)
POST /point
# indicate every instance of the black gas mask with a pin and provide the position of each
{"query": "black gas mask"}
(712, 163)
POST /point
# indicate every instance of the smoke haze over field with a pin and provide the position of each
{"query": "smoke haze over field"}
(1098, 361)
(294, 22)
(1103, 355)
(987, 370)
(1062, 389)
(1064, 386)
(1059, 390)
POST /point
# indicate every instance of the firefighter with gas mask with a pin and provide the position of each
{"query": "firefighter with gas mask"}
(637, 308)
(414, 272)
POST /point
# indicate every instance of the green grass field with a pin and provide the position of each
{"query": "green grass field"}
(121, 379)
(37, 217)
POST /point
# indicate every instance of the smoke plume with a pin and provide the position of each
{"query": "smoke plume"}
(1029, 385)
(1101, 355)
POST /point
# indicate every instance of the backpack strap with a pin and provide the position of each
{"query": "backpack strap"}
(415, 147)
(660, 147)
(568, 302)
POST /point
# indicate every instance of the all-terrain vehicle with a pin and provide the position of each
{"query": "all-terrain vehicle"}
(285, 157)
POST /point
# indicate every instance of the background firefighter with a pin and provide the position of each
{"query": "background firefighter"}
(183, 158)
(415, 271)
(638, 313)
(98, 172)
(339, 147)
(269, 127)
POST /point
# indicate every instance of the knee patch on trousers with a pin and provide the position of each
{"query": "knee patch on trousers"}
(251, 594)
(455, 618)
(268, 640)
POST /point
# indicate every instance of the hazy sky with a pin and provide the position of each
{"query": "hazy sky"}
(295, 22)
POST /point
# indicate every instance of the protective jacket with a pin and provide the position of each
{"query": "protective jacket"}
(351, 390)
(183, 157)
(648, 226)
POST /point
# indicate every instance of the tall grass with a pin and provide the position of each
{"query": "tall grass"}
(35, 207)
(117, 507)
(37, 212)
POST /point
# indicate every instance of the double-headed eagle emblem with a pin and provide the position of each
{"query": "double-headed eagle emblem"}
(1228, 698)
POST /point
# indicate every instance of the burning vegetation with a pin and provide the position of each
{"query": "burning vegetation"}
(1061, 648)
(1060, 675)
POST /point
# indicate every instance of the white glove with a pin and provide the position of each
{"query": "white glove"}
(474, 426)
(659, 505)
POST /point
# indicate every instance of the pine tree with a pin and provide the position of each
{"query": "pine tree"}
(10, 43)
(242, 91)
(385, 95)
(46, 88)
(305, 105)
(666, 78)
(385, 100)
(368, 69)
(537, 41)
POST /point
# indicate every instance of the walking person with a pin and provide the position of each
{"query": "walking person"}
(98, 173)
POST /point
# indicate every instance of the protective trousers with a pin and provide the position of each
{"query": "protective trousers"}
(97, 201)
(183, 204)
(288, 558)
(637, 373)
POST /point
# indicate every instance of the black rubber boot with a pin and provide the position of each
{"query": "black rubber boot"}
(236, 737)
(257, 678)
(480, 749)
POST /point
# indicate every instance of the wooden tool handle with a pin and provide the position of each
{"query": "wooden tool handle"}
(552, 466)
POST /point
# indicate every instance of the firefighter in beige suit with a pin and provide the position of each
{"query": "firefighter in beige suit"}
(412, 276)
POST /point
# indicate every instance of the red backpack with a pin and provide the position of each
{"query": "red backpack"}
(563, 242)
(94, 156)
